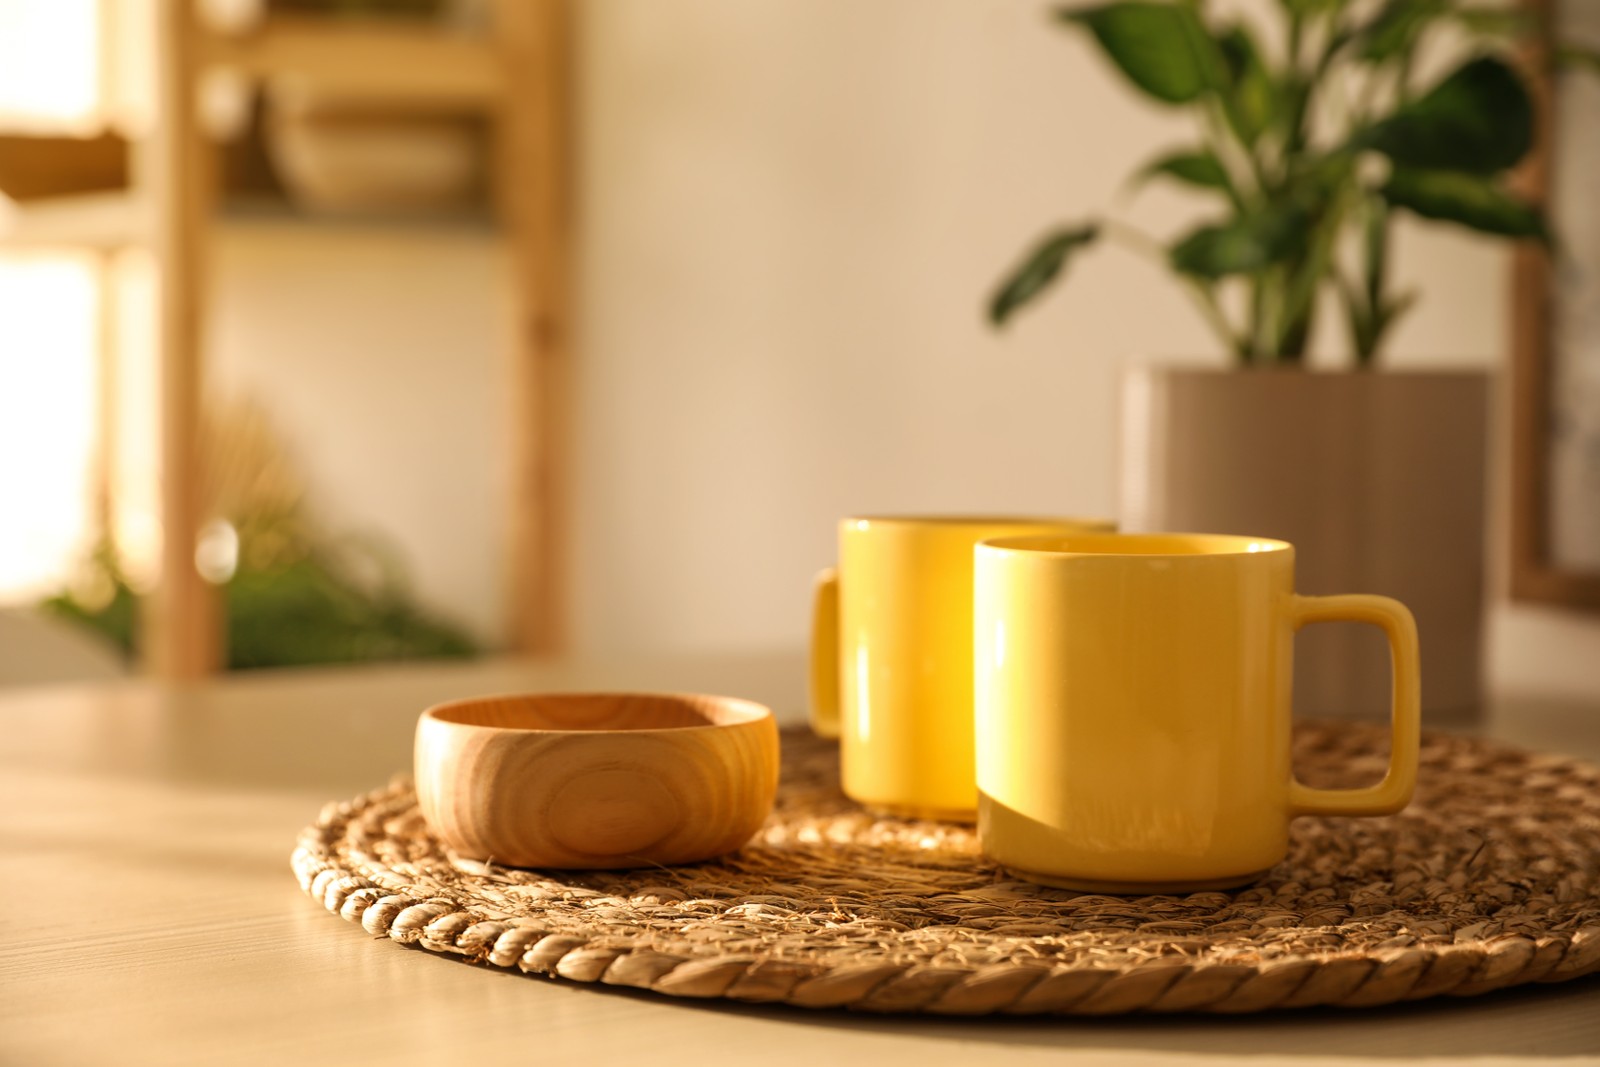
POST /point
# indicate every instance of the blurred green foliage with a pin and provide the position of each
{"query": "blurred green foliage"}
(299, 611)
(1311, 137)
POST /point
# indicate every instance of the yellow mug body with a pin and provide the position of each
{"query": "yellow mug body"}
(1133, 699)
(892, 657)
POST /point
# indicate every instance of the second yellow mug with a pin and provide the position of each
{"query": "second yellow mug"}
(1133, 708)
(891, 657)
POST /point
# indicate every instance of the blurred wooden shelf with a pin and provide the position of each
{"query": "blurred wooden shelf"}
(275, 212)
(115, 220)
(389, 62)
(88, 220)
(514, 76)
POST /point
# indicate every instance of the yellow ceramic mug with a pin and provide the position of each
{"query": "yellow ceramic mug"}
(1133, 708)
(891, 658)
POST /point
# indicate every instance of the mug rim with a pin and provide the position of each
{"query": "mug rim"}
(1098, 545)
(744, 711)
(977, 519)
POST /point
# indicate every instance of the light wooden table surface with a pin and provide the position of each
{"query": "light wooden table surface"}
(149, 916)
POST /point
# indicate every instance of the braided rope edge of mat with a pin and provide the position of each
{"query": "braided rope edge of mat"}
(1385, 976)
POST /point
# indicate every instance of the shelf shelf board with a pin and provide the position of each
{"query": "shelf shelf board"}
(116, 220)
(274, 212)
(88, 220)
(368, 61)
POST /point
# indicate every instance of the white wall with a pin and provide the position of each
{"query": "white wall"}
(792, 211)
(1544, 651)
(379, 356)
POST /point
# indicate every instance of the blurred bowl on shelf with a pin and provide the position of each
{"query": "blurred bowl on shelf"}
(231, 18)
(354, 157)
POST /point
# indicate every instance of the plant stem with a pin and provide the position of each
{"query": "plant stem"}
(1358, 316)
(1402, 78)
(1306, 277)
(1375, 258)
(1303, 85)
(1268, 342)
(1135, 239)
(1228, 150)
(1259, 296)
(1205, 299)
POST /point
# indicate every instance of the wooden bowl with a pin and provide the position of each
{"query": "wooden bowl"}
(596, 780)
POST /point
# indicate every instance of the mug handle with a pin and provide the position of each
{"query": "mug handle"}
(825, 653)
(1405, 724)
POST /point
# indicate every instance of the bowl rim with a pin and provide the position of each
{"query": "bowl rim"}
(759, 712)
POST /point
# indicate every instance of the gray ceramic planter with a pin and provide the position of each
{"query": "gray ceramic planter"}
(1378, 478)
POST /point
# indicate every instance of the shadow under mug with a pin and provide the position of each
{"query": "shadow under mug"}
(1133, 704)
(891, 657)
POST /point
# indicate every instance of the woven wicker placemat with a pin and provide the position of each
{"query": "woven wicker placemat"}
(1490, 879)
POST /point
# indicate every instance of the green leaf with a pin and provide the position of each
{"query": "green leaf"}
(1252, 97)
(1578, 57)
(1468, 199)
(1242, 245)
(1495, 22)
(1038, 270)
(1200, 168)
(1396, 27)
(1314, 179)
(1162, 48)
(1399, 24)
(1393, 309)
(1313, 7)
(1479, 119)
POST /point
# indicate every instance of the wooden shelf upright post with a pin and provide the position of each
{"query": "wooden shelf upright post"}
(174, 167)
(533, 186)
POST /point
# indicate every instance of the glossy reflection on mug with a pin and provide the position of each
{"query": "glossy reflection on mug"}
(891, 657)
(1133, 697)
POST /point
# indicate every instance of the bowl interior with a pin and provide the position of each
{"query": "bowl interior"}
(599, 711)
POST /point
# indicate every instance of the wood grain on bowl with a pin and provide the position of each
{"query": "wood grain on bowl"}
(596, 780)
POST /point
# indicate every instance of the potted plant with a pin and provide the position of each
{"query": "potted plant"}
(1307, 152)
